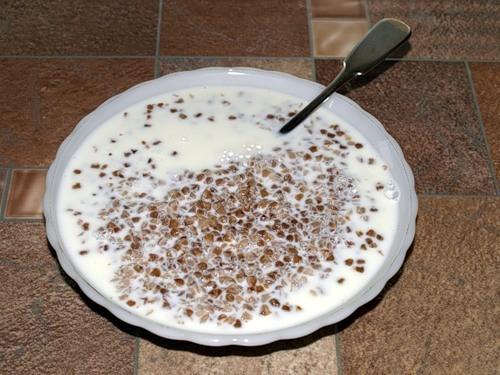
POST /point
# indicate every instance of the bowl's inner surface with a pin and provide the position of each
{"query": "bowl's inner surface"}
(186, 211)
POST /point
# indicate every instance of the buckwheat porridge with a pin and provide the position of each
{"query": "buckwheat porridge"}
(191, 210)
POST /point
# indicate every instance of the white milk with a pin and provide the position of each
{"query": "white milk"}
(209, 128)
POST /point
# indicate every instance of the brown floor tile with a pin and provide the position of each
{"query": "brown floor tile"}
(313, 355)
(453, 29)
(72, 27)
(46, 328)
(226, 27)
(25, 194)
(337, 8)
(24, 243)
(3, 182)
(337, 37)
(487, 83)
(48, 97)
(302, 68)
(441, 317)
(427, 107)
(17, 77)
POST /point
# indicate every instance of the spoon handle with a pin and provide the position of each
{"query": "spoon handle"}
(383, 38)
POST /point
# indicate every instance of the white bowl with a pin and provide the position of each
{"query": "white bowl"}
(343, 107)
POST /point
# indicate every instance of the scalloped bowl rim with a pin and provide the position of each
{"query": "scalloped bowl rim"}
(228, 76)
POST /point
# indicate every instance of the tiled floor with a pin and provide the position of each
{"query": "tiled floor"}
(92, 27)
(337, 26)
(452, 29)
(336, 37)
(439, 315)
(25, 194)
(299, 67)
(218, 28)
(487, 83)
(428, 107)
(310, 355)
(47, 97)
(47, 327)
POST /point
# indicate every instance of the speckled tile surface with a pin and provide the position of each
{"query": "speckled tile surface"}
(63, 27)
(427, 107)
(25, 244)
(235, 28)
(25, 196)
(17, 122)
(299, 67)
(452, 29)
(47, 98)
(440, 315)
(487, 84)
(337, 8)
(312, 355)
(46, 327)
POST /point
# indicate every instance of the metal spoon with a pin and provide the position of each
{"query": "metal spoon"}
(383, 38)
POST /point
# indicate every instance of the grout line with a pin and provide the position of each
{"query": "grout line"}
(310, 28)
(158, 35)
(201, 57)
(40, 57)
(5, 193)
(27, 168)
(431, 59)
(477, 109)
(425, 59)
(311, 38)
(54, 57)
(329, 58)
(417, 59)
(6, 165)
(28, 219)
(445, 195)
(8, 187)
(136, 355)
(487, 61)
(338, 352)
(340, 18)
(367, 13)
(154, 56)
